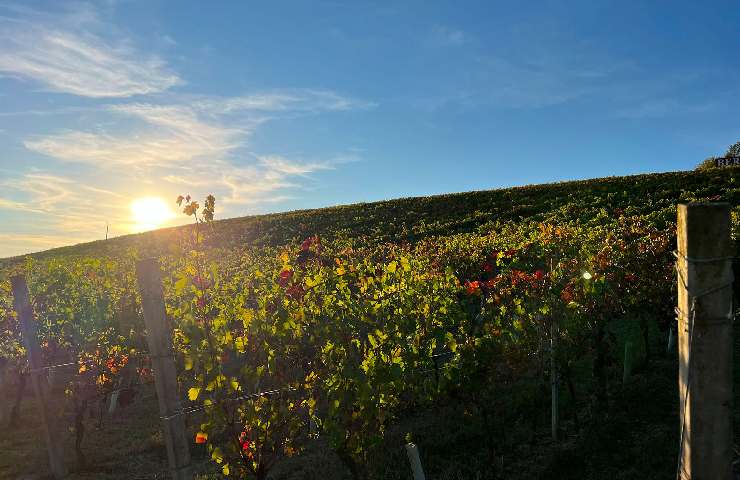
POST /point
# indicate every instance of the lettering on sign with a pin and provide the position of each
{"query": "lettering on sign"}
(727, 161)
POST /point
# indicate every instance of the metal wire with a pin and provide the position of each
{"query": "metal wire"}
(681, 256)
(69, 364)
(268, 393)
(202, 407)
(52, 367)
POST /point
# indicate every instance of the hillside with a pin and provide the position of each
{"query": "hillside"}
(414, 218)
(406, 318)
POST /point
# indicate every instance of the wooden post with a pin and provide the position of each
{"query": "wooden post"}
(54, 445)
(159, 339)
(628, 356)
(705, 341)
(4, 393)
(554, 380)
(413, 453)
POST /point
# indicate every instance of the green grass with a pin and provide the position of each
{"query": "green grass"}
(129, 445)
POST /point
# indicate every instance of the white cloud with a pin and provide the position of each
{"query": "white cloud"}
(22, 243)
(64, 205)
(50, 52)
(158, 145)
(155, 149)
(199, 144)
(286, 100)
(442, 35)
(536, 81)
(658, 108)
(284, 166)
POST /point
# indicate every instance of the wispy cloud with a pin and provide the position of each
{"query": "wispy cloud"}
(30, 242)
(64, 205)
(201, 144)
(443, 35)
(296, 100)
(658, 108)
(530, 82)
(50, 52)
(160, 143)
(169, 135)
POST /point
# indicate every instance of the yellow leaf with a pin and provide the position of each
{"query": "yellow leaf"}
(193, 393)
(217, 455)
(225, 469)
(241, 344)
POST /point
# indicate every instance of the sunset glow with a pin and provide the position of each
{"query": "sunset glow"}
(149, 213)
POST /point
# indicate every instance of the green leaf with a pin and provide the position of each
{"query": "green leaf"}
(451, 342)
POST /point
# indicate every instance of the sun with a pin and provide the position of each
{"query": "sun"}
(149, 213)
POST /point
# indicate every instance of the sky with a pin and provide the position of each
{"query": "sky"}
(109, 110)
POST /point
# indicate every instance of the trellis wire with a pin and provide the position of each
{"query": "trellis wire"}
(269, 393)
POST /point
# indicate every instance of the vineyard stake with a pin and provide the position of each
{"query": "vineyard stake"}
(554, 380)
(704, 265)
(113, 401)
(627, 361)
(554, 374)
(23, 309)
(413, 453)
(4, 400)
(159, 339)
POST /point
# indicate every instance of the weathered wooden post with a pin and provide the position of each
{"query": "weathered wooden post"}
(413, 453)
(705, 313)
(54, 444)
(159, 339)
(627, 367)
(554, 380)
(4, 397)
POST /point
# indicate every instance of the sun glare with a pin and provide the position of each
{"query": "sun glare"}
(149, 213)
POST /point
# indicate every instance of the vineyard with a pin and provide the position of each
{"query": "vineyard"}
(518, 333)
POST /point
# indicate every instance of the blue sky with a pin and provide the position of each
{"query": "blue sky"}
(275, 106)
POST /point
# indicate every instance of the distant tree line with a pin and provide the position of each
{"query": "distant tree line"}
(732, 151)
